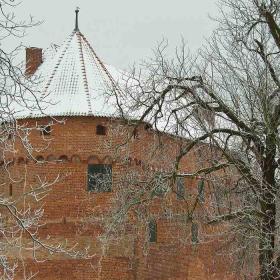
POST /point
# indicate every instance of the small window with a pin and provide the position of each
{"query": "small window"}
(99, 177)
(40, 159)
(100, 130)
(152, 231)
(76, 159)
(135, 134)
(194, 230)
(180, 188)
(10, 190)
(46, 130)
(200, 190)
(161, 186)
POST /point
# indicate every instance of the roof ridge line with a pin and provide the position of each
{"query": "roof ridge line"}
(102, 64)
(83, 68)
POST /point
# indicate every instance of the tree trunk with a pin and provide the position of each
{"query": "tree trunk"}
(268, 269)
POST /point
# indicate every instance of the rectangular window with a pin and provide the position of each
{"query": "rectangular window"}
(10, 189)
(180, 188)
(161, 186)
(152, 231)
(100, 177)
(100, 130)
(194, 231)
(200, 190)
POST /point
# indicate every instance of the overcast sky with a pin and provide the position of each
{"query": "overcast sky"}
(121, 31)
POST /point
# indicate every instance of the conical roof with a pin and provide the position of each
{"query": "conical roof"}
(73, 81)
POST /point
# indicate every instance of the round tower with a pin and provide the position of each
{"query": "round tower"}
(71, 110)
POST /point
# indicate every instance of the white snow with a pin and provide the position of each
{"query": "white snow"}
(72, 81)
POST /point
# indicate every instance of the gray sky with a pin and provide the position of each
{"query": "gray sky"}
(121, 31)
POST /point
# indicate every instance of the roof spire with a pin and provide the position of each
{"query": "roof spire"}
(77, 19)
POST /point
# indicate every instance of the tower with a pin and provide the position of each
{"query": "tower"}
(75, 142)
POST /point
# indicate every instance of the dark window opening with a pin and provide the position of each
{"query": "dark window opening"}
(46, 130)
(194, 231)
(201, 192)
(10, 190)
(99, 177)
(161, 186)
(180, 188)
(40, 159)
(100, 130)
(152, 231)
(135, 134)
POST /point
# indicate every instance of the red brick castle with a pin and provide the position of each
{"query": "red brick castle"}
(80, 132)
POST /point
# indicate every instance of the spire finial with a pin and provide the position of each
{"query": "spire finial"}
(77, 19)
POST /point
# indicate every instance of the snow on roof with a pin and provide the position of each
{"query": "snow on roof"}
(72, 81)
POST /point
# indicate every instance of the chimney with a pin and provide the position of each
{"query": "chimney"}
(34, 58)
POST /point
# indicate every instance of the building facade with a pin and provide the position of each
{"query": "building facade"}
(90, 154)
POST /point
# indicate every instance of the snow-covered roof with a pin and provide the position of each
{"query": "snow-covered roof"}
(72, 81)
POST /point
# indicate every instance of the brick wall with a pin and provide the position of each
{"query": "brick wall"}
(66, 152)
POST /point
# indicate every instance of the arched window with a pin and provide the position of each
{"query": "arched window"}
(63, 158)
(50, 158)
(40, 159)
(76, 159)
(100, 130)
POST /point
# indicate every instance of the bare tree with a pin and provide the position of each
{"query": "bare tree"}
(223, 106)
(20, 215)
